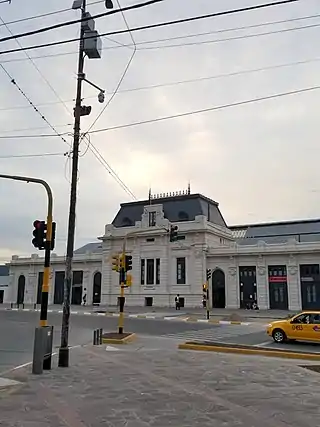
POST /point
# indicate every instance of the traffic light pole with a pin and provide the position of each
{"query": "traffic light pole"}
(64, 347)
(46, 273)
(122, 285)
(208, 304)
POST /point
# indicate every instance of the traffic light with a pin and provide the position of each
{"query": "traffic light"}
(173, 233)
(122, 262)
(209, 272)
(115, 263)
(128, 263)
(129, 280)
(84, 110)
(39, 234)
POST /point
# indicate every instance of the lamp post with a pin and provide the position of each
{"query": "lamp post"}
(92, 48)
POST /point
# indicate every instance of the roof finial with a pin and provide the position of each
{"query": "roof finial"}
(189, 188)
(150, 196)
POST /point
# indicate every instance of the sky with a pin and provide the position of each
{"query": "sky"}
(259, 161)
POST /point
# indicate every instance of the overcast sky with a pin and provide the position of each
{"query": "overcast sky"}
(259, 161)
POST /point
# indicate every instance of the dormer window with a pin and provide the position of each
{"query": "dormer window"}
(152, 219)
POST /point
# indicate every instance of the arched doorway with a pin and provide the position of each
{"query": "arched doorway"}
(96, 298)
(21, 288)
(218, 289)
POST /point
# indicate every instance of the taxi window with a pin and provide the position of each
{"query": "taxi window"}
(303, 318)
(315, 318)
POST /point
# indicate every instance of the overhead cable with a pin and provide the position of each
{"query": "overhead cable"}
(150, 26)
(189, 113)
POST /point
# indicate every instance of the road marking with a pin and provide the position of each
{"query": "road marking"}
(87, 312)
(203, 321)
(264, 343)
(110, 348)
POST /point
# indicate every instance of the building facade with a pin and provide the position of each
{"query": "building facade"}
(276, 264)
(4, 283)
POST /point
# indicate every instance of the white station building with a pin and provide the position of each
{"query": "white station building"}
(274, 264)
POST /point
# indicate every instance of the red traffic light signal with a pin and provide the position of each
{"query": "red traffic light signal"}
(39, 234)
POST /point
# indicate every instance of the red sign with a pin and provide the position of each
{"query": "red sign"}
(277, 279)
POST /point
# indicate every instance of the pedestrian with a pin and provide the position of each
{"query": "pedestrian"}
(84, 298)
(177, 301)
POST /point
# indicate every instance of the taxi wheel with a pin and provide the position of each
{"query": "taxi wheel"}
(279, 336)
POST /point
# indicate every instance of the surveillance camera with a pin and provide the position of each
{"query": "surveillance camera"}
(101, 97)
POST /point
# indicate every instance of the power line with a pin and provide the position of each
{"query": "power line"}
(24, 156)
(31, 128)
(189, 113)
(13, 81)
(205, 110)
(150, 26)
(122, 76)
(37, 68)
(78, 21)
(223, 30)
(43, 15)
(182, 82)
(245, 36)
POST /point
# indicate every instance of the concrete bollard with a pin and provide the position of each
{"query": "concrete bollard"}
(95, 337)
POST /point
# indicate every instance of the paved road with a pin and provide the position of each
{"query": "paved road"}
(17, 332)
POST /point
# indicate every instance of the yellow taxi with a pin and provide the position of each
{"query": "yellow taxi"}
(304, 326)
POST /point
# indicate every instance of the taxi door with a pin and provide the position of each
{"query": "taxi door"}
(312, 329)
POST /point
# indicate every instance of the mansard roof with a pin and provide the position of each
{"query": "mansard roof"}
(184, 207)
(278, 232)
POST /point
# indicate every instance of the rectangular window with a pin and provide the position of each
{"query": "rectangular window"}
(152, 219)
(158, 271)
(150, 271)
(77, 277)
(142, 271)
(181, 271)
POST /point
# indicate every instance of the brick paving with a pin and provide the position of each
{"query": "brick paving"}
(150, 383)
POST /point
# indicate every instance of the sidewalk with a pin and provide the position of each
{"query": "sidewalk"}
(217, 316)
(152, 384)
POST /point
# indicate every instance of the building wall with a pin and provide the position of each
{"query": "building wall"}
(199, 256)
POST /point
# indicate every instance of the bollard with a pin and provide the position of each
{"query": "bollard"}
(38, 351)
(101, 332)
(95, 337)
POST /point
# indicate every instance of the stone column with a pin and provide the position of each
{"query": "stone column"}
(294, 288)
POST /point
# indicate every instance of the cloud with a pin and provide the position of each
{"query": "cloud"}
(260, 161)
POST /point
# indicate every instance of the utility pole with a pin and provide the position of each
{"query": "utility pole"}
(92, 51)
(64, 347)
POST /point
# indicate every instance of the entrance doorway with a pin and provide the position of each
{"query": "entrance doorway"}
(278, 289)
(96, 299)
(310, 286)
(21, 288)
(218, 289)
(76, 296)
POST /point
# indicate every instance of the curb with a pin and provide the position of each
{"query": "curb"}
(125, 340)
(151, 317)
(249, 350)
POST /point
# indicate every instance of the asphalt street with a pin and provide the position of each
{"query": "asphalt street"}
(17, 332)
